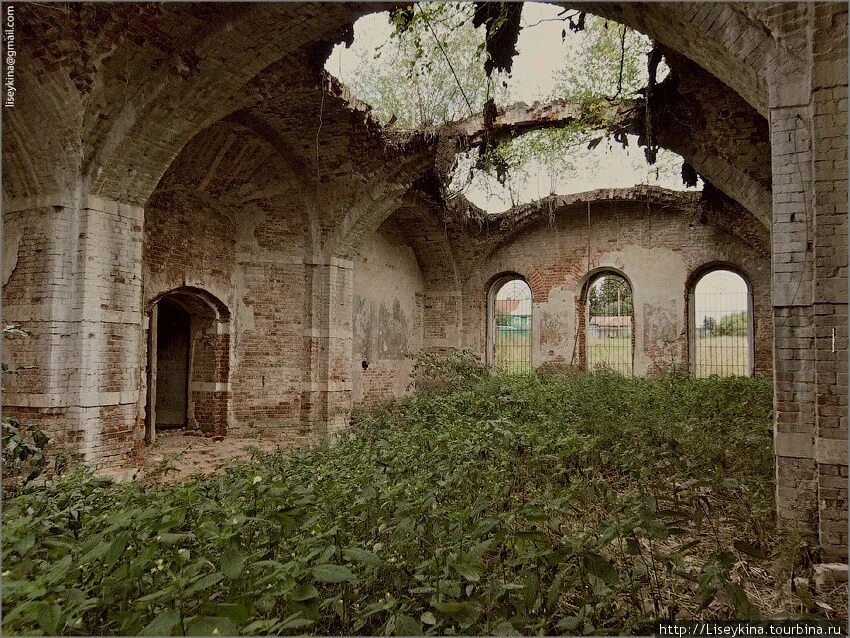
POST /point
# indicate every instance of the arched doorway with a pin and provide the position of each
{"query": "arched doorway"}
(720, 310)
(188, 363)
(509, 325)
(609, 323)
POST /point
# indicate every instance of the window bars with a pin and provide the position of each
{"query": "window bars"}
(721, 330)
(512, 328)
(608, 333)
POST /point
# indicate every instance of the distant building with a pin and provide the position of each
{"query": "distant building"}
(512, 314)
(610, 326)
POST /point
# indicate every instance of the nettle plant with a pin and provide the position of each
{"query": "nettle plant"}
(575, 503)
(23, 444)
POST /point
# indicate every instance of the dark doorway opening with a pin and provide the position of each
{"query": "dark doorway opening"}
(172, 365)
(188, 371)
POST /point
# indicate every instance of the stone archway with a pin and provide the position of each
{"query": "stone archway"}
(188, 363)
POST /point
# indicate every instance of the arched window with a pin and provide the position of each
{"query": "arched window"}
(609, 329)
(721, 325)
(509, 346)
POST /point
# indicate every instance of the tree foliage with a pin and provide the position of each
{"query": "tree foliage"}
(611, 296)
(431, 71)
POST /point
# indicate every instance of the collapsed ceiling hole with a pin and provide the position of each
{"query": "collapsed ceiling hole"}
(569, 171)
(424, 66)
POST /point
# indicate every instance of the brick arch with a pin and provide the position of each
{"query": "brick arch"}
(433, 249)
(731, 42)
(520, 218)
(194, 84)
(494, 285)
(39, 159)
(209, 360)
(374, 202)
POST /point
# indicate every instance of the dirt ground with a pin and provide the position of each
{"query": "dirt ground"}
(175, 455)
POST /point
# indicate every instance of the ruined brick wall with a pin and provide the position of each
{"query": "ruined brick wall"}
(207, 229)
(387, 328)
(658, 248)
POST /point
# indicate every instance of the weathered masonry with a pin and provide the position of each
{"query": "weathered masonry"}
(203, 229)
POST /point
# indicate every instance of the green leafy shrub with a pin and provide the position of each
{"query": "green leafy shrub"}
(435, 371)
(23, 445)
(559, 504)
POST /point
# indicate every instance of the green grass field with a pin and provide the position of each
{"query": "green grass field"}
(723, 356)
(613, 353)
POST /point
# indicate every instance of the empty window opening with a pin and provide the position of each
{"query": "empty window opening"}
(510, 321)
(609, 333)
(721, 327)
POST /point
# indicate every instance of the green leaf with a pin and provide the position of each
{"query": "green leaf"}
(570, 623)
(749, 549)
(469, 571)
(428, 618)
(601, 568)
(204, 582)
(24, 544)
(304, 592)
(211, 625)
(407, 626)
(294, 621)
(357, 555)
(48, 618)
(505, 628)
(235, 612)
(170, 539)
(232, 563)
(116, 548)
(162, 625)
(466, 613)
(332, 573)
(738, 598)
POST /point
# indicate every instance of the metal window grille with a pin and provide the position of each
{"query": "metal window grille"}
(721, 326)
(608, 333)
(512, 328)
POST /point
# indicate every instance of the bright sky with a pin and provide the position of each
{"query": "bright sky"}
(718, 294)
(519, 290)
(541, 53)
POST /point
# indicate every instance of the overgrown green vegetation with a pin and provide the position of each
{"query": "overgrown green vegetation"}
(23, 443)
(552, 504)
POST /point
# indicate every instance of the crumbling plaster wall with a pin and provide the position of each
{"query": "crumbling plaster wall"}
(656, 247)
(387, 316)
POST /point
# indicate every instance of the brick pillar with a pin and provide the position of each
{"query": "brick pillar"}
(326, 396)
(808, 127)
(829, 162)
(72, 278)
